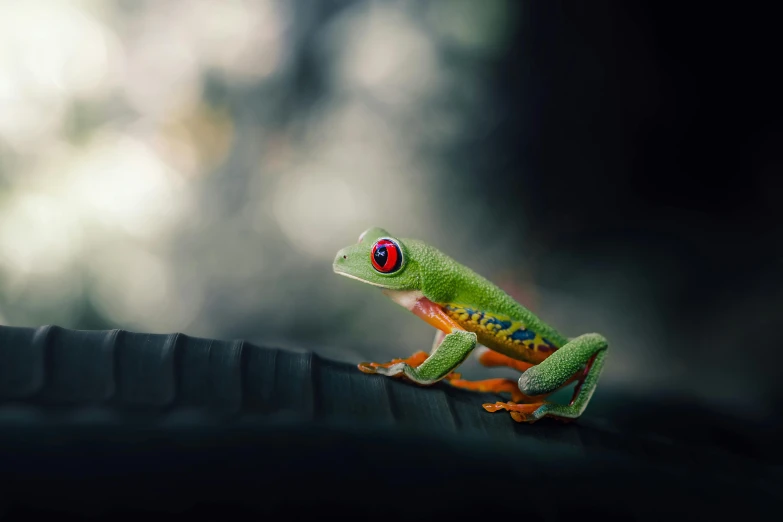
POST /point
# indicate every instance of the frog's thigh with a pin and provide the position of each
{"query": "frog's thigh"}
(583, 354)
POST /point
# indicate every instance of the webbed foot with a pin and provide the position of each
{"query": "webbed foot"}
(519, 412)
(413, 361)
(426, 369)
(391, 370)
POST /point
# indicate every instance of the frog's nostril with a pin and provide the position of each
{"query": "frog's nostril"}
(345, 257)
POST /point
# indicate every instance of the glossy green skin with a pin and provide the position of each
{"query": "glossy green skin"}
(442, 280)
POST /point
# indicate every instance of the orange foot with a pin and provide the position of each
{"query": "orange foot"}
(414, 361)
(519, 412)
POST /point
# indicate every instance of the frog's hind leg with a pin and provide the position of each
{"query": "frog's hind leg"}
(581, 360)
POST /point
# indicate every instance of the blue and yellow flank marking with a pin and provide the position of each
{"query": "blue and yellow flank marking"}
(502, 334)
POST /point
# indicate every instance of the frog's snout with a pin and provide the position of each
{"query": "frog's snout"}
(340, 260)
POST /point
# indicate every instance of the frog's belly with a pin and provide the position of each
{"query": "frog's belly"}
(502, 334)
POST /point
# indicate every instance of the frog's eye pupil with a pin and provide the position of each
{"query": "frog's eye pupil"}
(386, 256)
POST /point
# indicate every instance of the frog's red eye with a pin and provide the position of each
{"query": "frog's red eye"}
(386, 256)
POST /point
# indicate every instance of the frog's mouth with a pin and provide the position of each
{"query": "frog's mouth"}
(351, 276)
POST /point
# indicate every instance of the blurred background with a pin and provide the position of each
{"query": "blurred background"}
(193, 166)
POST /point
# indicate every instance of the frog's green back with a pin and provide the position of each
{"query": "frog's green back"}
(462, 291)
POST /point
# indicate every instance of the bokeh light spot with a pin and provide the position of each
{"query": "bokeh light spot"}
(313, 209)
(37, 234)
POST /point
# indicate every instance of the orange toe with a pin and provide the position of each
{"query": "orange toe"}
(519, 412)
(413, 361)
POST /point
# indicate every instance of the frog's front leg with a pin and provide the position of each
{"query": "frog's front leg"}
(414, 360)
(580, 359)
(439, 335)
(449, 354)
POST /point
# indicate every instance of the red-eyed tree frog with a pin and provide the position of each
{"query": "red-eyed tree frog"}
(468, 310)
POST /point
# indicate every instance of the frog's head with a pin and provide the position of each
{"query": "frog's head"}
(380, 260)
